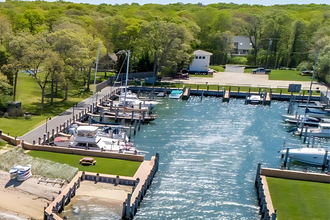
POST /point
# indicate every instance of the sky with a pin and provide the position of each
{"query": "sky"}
(205, 2)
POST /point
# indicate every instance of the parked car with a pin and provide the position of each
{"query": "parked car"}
(307, 73)
(181, 75)
(261, 70)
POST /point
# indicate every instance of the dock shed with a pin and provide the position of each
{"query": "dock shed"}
(201, 62)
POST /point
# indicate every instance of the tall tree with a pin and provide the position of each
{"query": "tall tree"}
(17, 48)
(252, 28)
(35, 20)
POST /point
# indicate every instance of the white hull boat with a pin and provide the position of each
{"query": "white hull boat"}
(134, 101)
(20, 173)
(313, 156)
(318, 113)
(322, 131)
(176, 94)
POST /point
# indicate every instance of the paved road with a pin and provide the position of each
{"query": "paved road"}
(61, 118)
(254, 80)
(234, 68)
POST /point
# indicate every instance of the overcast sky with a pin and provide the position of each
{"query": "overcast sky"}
(205, 2)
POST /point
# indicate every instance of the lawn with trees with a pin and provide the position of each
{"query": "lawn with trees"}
(57, 41)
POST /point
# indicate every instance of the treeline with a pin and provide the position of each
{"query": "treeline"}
(60, 38)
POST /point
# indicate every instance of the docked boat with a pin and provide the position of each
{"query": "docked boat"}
(254, 99)
(176, 94)
(133, 101)
(91, 137)
(318, 113)
(313, 156)
(20, 173)
(299, 117)
(323, 130)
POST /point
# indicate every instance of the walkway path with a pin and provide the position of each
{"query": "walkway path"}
(61, 118)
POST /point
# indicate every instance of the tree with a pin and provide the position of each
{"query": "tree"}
(17, 48)
(36, 54)
(5, 29)
(252, 28)
(162, 37)
(35, 20)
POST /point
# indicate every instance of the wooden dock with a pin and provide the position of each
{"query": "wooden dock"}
(186, 94)
(268, 99)
(226, 96)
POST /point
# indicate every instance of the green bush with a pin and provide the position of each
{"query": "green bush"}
(305, 65)
(239, 60)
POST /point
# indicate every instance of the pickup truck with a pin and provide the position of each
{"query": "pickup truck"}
(261, 70)
(181, 75)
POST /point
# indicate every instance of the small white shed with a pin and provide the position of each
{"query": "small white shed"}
(201, 61)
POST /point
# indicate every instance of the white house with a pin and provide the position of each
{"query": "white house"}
(201, 61)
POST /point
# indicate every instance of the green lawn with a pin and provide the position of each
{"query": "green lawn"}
(299, 200)
(29, 93)
(218, 68)
(103, 165)
(288, 75)
(207, 76)
(285, 75)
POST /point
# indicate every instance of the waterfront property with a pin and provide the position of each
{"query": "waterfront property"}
(296, 199)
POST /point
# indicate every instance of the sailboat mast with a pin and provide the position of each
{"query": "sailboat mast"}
(126, 77)
(97, 62)
(310, 88)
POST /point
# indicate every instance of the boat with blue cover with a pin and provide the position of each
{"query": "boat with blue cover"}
(176, 94)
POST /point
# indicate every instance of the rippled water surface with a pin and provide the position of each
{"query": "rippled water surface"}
(209, 153)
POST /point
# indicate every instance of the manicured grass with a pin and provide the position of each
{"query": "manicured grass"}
(218, 68)
(299, 200)
(285, 75)
(207, 76)
(103, 165)
(288, 75)
(29, 93)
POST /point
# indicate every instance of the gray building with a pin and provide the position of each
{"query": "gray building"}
(242, 44)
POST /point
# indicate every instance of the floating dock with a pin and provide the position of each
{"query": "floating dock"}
(226, 96)
(186, 94)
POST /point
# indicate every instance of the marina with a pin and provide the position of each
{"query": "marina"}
(201, 155)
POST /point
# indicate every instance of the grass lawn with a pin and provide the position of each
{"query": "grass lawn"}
(103, 165)
(299, 200)
(29, 93)
(218, 68)
(207, 76)
(286, 75)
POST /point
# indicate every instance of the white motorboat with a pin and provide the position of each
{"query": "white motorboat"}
(176, 94)
(94, 138)
(318, 113)
(20, 173)
(323, 130)
(313, 156)
(299, 117)
(254, 99)
(133, 101)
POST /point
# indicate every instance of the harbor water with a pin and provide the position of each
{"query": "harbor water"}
(209, 153)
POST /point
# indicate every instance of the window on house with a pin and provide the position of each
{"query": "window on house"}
(203, 57)
(200, 57)
(196, 57)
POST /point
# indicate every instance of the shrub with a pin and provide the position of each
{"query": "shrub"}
(305, 65)
(239, 60)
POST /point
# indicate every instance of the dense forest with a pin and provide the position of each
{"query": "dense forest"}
(60, 38)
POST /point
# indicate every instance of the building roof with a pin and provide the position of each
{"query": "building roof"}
(202, 52)
(113, 56)
(243, 42)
